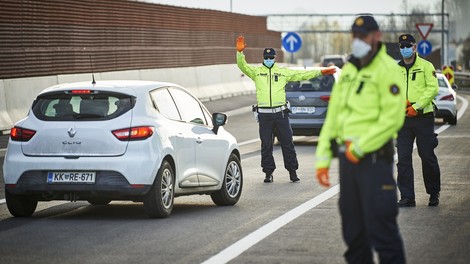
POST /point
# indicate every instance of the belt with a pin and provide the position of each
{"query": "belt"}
(272, 110)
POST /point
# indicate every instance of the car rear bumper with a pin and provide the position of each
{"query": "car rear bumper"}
(108, 184)
(306, 127)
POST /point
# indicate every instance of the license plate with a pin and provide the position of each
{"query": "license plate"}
(303, 110)
(71, 177)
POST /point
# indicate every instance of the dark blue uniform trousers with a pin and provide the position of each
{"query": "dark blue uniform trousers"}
(368, 207)
(279, 121)
(421, 128)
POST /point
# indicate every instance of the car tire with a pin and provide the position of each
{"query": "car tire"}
(232, 184)
(98, 201)
(20, 205)
(452, 120)
(158, 202)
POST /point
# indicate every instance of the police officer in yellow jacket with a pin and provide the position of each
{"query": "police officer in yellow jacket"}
(273, 113)
(421, 86)
(364, 114)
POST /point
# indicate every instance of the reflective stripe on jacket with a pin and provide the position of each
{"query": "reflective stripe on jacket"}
(366, 107)
(420, 83)
(270, 82)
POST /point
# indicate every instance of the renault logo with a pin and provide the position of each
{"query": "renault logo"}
(301, 98)
(72, 131)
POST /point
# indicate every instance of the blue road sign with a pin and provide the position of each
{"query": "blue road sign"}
(292, 42)
(424, 47)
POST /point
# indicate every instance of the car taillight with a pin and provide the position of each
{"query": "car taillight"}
(133, 133)
(21, 134)
(449, 97)
(81, 91)
(325, 98)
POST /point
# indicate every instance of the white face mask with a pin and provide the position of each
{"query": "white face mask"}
(360, 48)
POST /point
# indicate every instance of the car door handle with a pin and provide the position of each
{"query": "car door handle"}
(199, 140)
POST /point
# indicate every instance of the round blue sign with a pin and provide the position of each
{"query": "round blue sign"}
(292, 42)
(424, 47)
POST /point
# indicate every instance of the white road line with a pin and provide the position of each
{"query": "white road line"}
(2, 201)
(250, 240)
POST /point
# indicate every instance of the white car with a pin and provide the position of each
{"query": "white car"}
(446, 101)
(120, 140)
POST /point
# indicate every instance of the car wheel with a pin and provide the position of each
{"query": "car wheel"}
(232, 186)
(98, 201)
(20, 205)
(452, 120)
(158, 202)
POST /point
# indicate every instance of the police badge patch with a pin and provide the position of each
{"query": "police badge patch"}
(394, 89)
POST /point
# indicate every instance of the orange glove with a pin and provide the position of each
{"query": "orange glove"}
(328, 71)
(351, 155)
(411, 112)
(408, 103)
(323, 177)
(241, 45)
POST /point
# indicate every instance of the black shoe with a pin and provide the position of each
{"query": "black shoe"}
(433, 200)
(406, 202)
(268, 178)
(293, 176)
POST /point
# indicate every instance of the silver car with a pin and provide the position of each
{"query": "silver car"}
(309, 102)
(446, 101)
(120, 140)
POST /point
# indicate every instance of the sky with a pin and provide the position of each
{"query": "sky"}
(266, 7)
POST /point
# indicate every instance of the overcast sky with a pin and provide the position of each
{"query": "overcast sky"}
(265, 7)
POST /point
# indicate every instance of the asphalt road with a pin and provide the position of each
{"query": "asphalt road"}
(261, 228)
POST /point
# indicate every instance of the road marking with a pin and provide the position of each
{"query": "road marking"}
(250, 240)
(2, 201)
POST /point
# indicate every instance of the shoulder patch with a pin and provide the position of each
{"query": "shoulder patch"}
(394, 89)
(434, 74)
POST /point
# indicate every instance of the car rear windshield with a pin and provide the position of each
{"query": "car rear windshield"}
(81, 105)
(318, 84)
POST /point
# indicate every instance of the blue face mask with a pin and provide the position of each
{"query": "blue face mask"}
(269, 62)
(407, 52)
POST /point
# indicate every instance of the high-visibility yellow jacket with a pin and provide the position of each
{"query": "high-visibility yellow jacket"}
(366, 107)
(420, 83)
(270, 82)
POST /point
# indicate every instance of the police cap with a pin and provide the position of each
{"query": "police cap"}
(364, 25)
(406, 39)
(269, 53)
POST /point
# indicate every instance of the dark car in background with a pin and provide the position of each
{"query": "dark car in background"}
(309, 102)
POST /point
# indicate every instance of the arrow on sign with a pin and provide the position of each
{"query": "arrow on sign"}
(424, 29)
(291, 40)
(425, 47)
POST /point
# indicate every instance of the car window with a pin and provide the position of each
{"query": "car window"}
(442, 82)
(321, 83)
(165, 104)
(81, 105)
(188, 107)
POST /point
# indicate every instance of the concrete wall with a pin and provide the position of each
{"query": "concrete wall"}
(206, 82)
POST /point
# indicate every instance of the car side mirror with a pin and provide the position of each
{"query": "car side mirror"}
(218, 119)
(455, 86)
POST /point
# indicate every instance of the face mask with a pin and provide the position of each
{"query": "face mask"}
(268, 62)
(360, 48)
(407, 52)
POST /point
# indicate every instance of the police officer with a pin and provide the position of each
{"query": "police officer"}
(273, 113)
(364, 114)
(421, 87)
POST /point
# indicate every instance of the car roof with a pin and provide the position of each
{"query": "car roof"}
(123, 86)
(338, 70)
